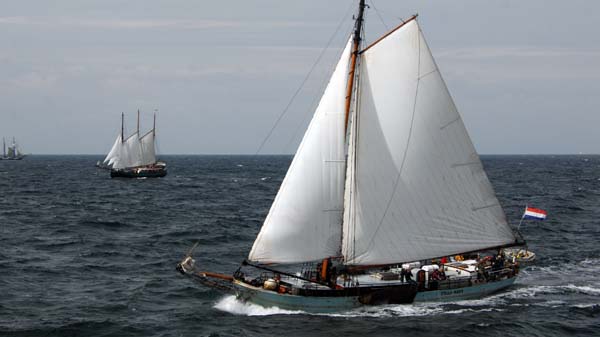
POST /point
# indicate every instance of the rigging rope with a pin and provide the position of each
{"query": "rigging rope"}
(313, 105)
(285, 110)
(379, 15)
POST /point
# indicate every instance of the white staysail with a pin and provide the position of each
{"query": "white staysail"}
(304, 223)
(148, 148)
(114, 151)
(418, 188)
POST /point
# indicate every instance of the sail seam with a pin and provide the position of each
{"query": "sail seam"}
(427, 74)
(450, 123)
(484, 207)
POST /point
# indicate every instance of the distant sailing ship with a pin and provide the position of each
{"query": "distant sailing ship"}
(134, 156)
(13, 153)
(386, 200)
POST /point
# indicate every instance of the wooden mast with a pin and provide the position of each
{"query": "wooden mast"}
(122, 127)
(138, 124)
(353, 57)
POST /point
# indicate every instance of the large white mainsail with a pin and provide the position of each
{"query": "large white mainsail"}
(304, 223)
(418, 188)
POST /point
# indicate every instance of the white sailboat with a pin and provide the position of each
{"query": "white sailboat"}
(134, 156)
(13, 153)
(385, 180)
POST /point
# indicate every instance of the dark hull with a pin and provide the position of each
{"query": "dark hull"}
(139, 173)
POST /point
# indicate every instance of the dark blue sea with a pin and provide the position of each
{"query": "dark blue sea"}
(82, 254)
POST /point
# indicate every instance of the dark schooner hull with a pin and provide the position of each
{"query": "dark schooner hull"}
(139, 172)
(12, 158)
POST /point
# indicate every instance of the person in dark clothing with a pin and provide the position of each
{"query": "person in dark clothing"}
(405, 275)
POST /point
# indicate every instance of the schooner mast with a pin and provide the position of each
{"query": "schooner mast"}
(354, 55)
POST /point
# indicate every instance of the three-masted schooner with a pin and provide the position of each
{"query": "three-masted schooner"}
(386, 200)
(135, 156)
(13, 153)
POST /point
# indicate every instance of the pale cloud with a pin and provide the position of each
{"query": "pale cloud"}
(34, 80)
(183, 24)
(493, 64)
(514, 51)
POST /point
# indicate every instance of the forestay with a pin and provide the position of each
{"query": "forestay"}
(418, 189)
(304, 222)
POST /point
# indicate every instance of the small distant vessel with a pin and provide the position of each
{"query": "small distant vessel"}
(386, 200)
(520, 255)
(134, 156)
(13, 153)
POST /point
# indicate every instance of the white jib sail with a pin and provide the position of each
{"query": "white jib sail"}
(420, 190)
(114, 151)
(148, 148)
(304, 222)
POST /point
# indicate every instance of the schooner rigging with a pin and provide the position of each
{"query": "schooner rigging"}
(12, 152)
(135, 156)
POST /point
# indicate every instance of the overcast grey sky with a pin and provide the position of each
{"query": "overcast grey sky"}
(524, 74)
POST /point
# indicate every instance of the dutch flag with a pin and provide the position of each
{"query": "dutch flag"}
(534, 213)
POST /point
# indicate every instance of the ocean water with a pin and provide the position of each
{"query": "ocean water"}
(85, 255)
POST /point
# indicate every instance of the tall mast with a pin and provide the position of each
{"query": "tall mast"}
(154, 125)
(353, 57)
(122, 127)
(3, 147)
(138, 123)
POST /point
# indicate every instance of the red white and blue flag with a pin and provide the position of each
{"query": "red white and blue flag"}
(534, 213)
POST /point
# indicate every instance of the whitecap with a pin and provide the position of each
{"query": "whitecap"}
(585, 305)
(234, 306)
